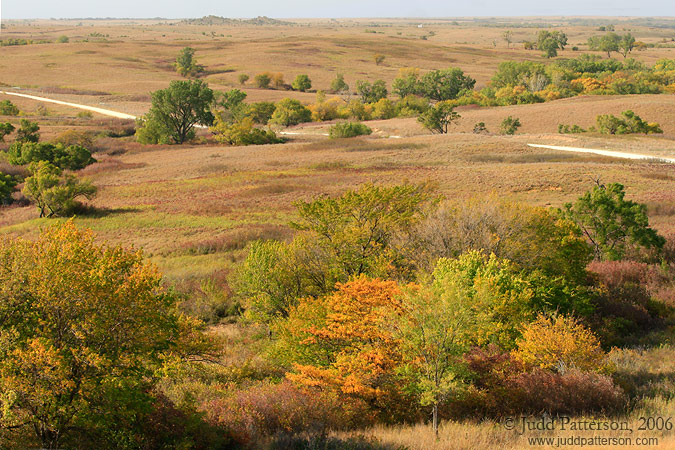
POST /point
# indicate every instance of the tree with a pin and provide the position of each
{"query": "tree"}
(243, 78)
(277, 80)
(510, 125)
(371, 93)
(186, 64)
(177, 109)
(445, 84)
(233, 104)
(550, 41)
(28, 131)
(379, 59)
(261, 112)
(263, 80)
(8, 108)
(439, 117)
(348, 129)
(5, 129)
(85, 328)
(242, 132)
(626, 44)
(508, 37)
(72, 157)
(606, 43)
(7, 185)
(290, 112)
(613, 225)
(407, 82)
(628, 123)
(338, 85)
(302, 83)
(54, 192)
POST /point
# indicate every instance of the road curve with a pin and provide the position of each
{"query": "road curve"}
(120, 115)
(605, 153)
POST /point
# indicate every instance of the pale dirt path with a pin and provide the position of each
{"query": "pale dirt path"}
(605, 153)
(120, 115)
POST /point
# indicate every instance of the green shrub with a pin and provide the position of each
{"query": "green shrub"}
(629, 123)
(63, 39)
(8, 108)
(263, 80)
(510, 125)
(73, 157)
(302, 83)
(290, 112)
(243, 132)
(243, 78)
(348, 129)
(7, 185)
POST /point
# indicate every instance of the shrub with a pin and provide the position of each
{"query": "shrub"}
(384, 109)
(338, 85)
(379, 59)
(290, 112)
(243, 78)
(510, 125)
(260, 112)
(439, 117)
(28, 131)
(567, 129)
(263, 80)
(8, 108)
(302, 83)
(85, 115)
(242, 132)
(62, 39)
(480, 128)
(371, 93)
(356, 110)
(629, 123)
(348, 129)
(74, 137)
(7, 185)
(5, 129)
(277, 80)
(73, 157)
(558, 343)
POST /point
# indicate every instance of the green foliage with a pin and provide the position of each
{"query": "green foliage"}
(444, 84)
(261, 112)
(509, 125)
(629, 123)
(550, 41)
(8, 108)
(614, 226)
(480, 128)
(84, 329)
(606, 43)
(407, 82)
(348, 129)
(242, 132)
(72, 157)
(384, 109)
(55, 193)
(371, 93)
(243, 78)
(186, 64)
(338, 85)
(232, 103)
(379, 59)
(62, 39)
(7, 185)
(626, 44)
(263, 80)
(151, 132)
(5, 129)
(439, 117)
(290, 112)
(357, 110)
(302, 83)
(567, 129)
(28, 131)
(516, 73)
(411, 105)
(177, 109)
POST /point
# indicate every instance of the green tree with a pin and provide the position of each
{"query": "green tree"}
(7, 185)
(28, 131)
(290, 112)
(508, 37)
(5, 129)
(186, 64)
(407, 83)
(243, 78)
(371, 93)
(242, 132)
(338, 85)
(263, 80)
(606, 43)
(261, 112)
(232, 103)
(510, 125)
(84, 330)
(302, 83)
(445, 84)
(72, 157)
(54, 192)
(612, 224)
(439, 117)
(8, 108)
(626, 44)
(177, 109)
(348, 129)
(550, 42)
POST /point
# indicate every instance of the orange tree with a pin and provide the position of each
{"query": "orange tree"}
(340, 343)
(83, 328)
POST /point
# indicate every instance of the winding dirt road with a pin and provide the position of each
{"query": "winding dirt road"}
(120, 115)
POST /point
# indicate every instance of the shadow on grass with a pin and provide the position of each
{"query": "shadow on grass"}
(291, 442)
(94, 212)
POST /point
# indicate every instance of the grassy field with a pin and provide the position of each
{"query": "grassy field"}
(194, 208)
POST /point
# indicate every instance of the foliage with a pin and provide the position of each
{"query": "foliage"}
(371, 93)
(407, 82)
(7, 108)
(177, 109)
(302, 83)
(509, 125)
(260, 112)
(559, 343)
(243, 78)
(612, 225)
(628, 123)
(550, 42)
(567, 129)
(263, 80)
(84, 328)
(233, 105)
(379, 59)
(338, 85)
(605, 43)
(439, 117)
(480, 128)
(444, 84)
(242, 132)
(186, 64)
(348, 129)
(28, 131)
(290, 112)
(5, 129)
(7, 185)
(626, 44)
(150, 132)
(384, 109)
(73, 157)
(514, 73)
(63, 39)
(54, 192)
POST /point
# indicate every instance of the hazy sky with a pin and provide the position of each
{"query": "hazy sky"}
(20, 9)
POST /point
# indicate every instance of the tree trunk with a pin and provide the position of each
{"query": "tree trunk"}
(435, 419)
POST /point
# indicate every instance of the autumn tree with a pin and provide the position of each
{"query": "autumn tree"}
(176, 110)
(338, 85)
(439, 117)
(72, 157)
(407, 82)
(371, 93)
(84, 328)
(302, 83)
(613, 225)
(289, 111)
(186, 64)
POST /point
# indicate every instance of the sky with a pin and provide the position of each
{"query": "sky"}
(35, 9)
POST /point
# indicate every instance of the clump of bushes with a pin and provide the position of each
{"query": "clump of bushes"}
(348, 129)
(510, 125)
(8, 108)
(72, 157)
(628, 123)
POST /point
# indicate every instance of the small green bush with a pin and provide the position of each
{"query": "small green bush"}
(8, 108)
(510, 125)
(348, 129)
